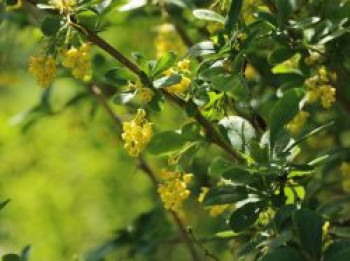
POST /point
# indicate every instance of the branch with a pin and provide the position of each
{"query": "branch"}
(213, 135)
(144, 166)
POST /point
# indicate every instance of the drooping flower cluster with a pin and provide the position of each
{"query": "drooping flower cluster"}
(137, 133)
(78, 59)
(173, 189)
(215, 210)
(166, 40)
(182, 69)
(345, 171)
(43, 68)
(320, 88)
(295, 125)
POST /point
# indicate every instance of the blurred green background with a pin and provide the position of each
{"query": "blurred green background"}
(69, 181)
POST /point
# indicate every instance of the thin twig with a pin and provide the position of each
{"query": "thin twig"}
(205, 250)
(144, 166)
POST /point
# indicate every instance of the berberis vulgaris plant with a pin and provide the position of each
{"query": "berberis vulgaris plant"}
(262, 88)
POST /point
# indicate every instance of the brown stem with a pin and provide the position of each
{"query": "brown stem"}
(144, 166)
(95, 91)
(212, 133)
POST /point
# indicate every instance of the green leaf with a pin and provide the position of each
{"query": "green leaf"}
(338, 251)
(225, 195)
(285, 8)
(245, 216)
(11, 257)
(141, 62)
(341, 231)
(289, 66)
(132, 4)
(209, 73)
(283, 253)
(280, 54)
(164, 63)
(167, 81)
(309, 134)
(119, 75)
(305, 24)
(233, 14)
(208, 15)
(239, 176)
(201, 49)
(191, 131)
(25, 253)
(283, 112)
(269, 18)
(239, 131)
(166, 142)
(50, 26)
(231, 84)
(218, 166)
(283, 215)
(4, 203)
(309, 229)
(88, 19)
(123, 97)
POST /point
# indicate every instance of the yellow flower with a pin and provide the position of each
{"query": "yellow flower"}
(173, 189)
(312, 95)
(298, 122)
(250, 73)
(346, 185)
(146, 94)
(43, 68)
(65, 6)
(214, 27)
(204, 191)
(79, 61)
(181, 87)
(327, 96)
(345, 169)
(166, 40)
(325, 228)
(313, 58)
(319, 87)
(137, 133)
(217, 210)
(184, 65)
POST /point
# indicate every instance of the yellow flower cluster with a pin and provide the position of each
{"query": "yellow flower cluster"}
(298, 122)
(166, 40)
(215, 210)
(43, 68)
(181, 87)
(79, 61)
(313, 58)
(65, 6)
(173, 190)
(137, 133)
(183, 68)
(146, 94)
(320, 88)
(345, 171)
